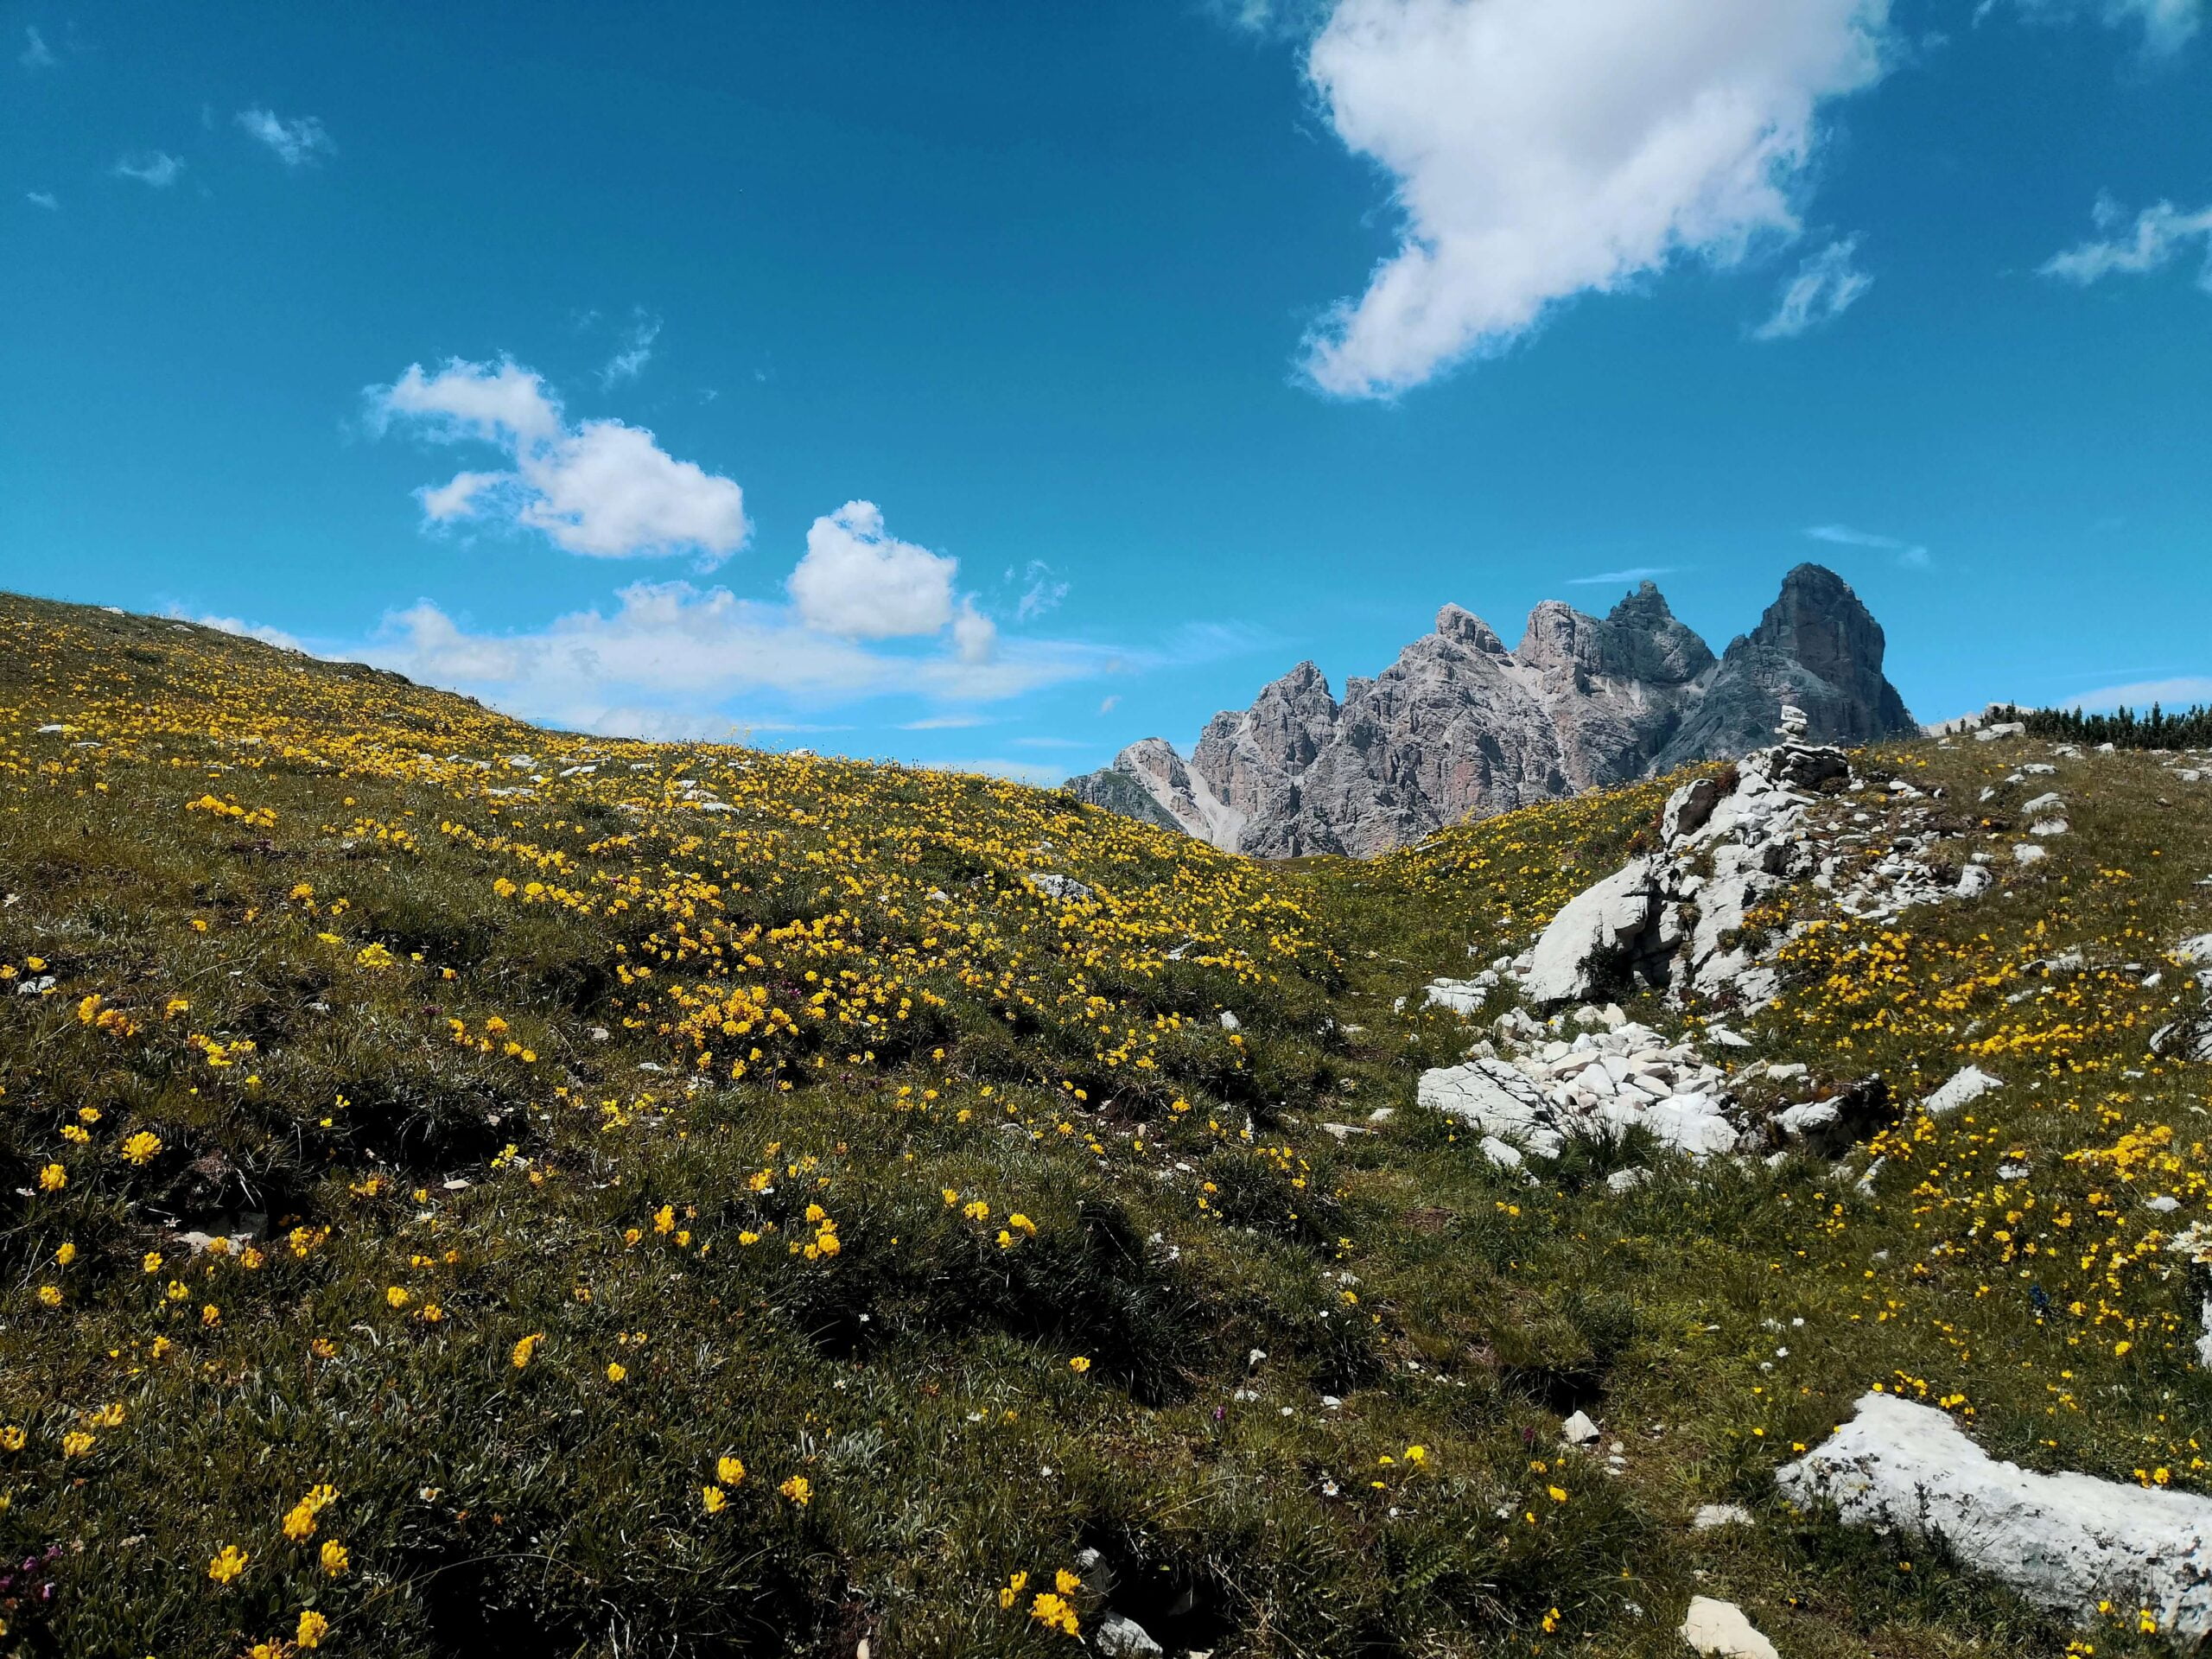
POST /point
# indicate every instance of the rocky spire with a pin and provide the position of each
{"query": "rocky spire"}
(1459, 727)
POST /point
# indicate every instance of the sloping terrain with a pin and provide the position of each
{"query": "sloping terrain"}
(474, 1190)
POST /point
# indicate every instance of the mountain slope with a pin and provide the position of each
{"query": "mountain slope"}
(635, 1198)
(1459, 728)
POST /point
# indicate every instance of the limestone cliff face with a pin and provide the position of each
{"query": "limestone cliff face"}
(1461, 727)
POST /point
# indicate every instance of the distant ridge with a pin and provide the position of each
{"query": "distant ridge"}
(1461, 727)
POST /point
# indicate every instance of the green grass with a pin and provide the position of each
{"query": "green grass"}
(667, 1081)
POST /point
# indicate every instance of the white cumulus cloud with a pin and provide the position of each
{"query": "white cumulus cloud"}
(2158, 234)
(1541, 148)
(45, 199)
(243, 629)
(296, 142)
(859, 580)
(600, 487)
(1826, 286)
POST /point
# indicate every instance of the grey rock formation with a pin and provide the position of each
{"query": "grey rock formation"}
(1461, 727)
(1816, 647)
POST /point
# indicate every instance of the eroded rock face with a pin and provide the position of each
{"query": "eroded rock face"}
(1684, 919)
(2064, 1542)
(1816, 647)
(1459, 727)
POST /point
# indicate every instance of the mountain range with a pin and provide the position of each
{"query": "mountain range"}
(1461, 727)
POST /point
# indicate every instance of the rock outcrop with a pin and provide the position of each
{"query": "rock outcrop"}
(1459, 727)
(1679, 916)
(2066, 1542)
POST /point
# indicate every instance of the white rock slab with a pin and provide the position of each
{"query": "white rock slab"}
(1615, 910)
(1720, 1628)
(1053, 885)
(1460, 995)
(2063, 1541)
(1495, 1099)
(1967, 1085)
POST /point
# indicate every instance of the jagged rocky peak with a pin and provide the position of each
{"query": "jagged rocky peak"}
(1459, 727)
(1464, 628)
(1818, 648)
(1639, 639)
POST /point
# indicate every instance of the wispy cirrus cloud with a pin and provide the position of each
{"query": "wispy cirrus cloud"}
(1826, 286)
(2159, 234)
(1607, 578)
(296, 142)
(1042, 589)
(155, 167)
(2179, 693)
(1911, 554)
(687, 651)
(36, 54)
(636, 351)
(2167, 25)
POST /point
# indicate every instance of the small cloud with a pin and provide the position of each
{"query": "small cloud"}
(1020, 772)
(1207, 642)
(1826, 286)
(42, 199)
(1110, 705)
(860, 580)
(975, 635)
(2167, 24)
(595, 487)
(1048, 743)
(159, 168)
(2181, 693)
(296, 142)
(637, 351)
(245, 630)
(1040, 592)
(1909, 554)
(36, 54)
(1607, 578)
(2160, 232)
(946, 723)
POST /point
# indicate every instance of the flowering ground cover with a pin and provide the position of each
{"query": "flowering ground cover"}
(471, 1189)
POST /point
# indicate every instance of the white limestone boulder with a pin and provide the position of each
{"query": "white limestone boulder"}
(1967, 1085)
(2065, 1541)
(1598, 922)
(1720, 1629)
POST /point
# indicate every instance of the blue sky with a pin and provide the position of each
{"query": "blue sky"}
(993, 385)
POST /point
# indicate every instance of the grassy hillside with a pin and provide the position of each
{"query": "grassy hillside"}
(468, 1189)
